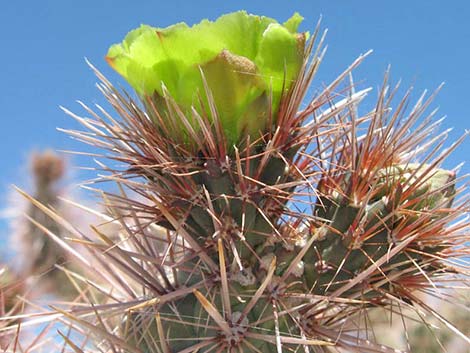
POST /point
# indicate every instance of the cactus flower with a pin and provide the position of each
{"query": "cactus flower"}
(248, 62)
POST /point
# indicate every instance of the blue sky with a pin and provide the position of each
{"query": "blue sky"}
(44, 44)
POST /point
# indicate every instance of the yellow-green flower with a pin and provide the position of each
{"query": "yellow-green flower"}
(248, 61)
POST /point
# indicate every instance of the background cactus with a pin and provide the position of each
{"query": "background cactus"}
(268, 237)
(43, 253)
(38, 253)
(34, 258)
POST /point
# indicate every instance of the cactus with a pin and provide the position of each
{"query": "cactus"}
(262, 224)
(38, 253)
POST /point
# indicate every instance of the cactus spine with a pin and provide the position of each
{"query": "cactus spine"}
(263, 225)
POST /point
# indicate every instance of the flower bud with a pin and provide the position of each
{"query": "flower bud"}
(428, 189)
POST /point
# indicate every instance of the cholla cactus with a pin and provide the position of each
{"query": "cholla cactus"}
(262, 226)
(37, 252)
